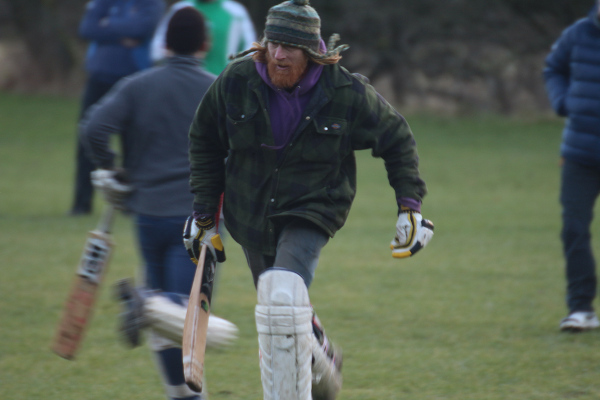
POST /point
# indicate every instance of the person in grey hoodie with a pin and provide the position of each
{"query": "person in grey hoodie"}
(151, 111)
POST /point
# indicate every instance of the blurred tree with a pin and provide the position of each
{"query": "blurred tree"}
(441, 48)
(47, 28)
(258, 11)
(482, 54)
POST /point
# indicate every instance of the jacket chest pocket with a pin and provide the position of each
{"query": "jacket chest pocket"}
(325, 139)
(242, 126)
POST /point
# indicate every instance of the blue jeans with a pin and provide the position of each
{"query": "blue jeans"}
(167, 264)
(168, 267)
(580, 186)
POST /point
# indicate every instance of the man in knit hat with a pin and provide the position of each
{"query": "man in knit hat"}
(289, 118)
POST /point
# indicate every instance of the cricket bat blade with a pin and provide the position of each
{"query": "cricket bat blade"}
(80, 303)
(196, 321)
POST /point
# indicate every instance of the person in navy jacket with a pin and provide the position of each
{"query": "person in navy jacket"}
(572, 76)
(119, 34)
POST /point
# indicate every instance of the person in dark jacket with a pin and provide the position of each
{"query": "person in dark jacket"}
(119, 32)
(151, 111)
(288, 119)
(572, 76)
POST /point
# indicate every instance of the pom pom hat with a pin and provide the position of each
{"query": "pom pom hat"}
(295, 23)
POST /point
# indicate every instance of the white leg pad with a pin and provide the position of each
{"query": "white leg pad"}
(167, 318)
(283, 321)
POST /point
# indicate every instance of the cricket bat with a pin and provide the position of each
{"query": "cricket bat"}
(79, 306)
(196, 321)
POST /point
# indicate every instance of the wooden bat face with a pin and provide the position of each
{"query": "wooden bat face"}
(196, 321)
(79, 306)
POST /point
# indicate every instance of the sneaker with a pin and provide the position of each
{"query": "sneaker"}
(580, 321)
(132, 318)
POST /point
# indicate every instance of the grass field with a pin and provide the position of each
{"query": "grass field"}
(474, 316)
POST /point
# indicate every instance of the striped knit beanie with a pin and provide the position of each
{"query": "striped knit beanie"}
(295, 23)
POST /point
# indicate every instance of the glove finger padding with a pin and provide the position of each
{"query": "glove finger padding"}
(202, 231)
(217, 244)
(412, 234)
(192, 245)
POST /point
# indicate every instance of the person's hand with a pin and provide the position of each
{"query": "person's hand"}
(412, 234)
(202, 231)
(113, 186)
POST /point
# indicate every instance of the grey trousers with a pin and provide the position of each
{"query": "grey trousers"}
(299, 245)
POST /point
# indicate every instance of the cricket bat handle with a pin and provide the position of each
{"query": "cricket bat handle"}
(106, 220)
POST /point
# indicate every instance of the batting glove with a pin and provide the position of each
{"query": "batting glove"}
(202, 231)
(412, 234)
(113, 186)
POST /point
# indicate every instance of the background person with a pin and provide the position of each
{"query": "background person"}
(572, 74)
(289, 119)
(230, 31)
(119, 32)
(152, 111)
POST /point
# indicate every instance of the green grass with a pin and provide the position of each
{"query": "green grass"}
(474, 316)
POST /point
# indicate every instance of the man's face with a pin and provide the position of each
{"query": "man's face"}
(285, 64)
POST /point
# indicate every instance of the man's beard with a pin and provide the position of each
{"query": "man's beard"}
(285, 79)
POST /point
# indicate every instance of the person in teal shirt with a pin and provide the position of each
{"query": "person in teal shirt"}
(230, 31)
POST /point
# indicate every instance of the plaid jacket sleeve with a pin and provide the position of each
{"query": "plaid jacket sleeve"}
(208, 151)
(379, 127)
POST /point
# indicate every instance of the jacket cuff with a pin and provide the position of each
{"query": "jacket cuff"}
(201, 209)
(413, 204)
(197, 215)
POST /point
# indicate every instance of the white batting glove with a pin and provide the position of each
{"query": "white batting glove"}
(115, 191)
(412, 234)
(201, 231)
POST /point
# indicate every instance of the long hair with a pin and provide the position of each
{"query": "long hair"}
(260, 50)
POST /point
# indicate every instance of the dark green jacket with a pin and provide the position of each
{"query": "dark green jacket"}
(315, 178)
